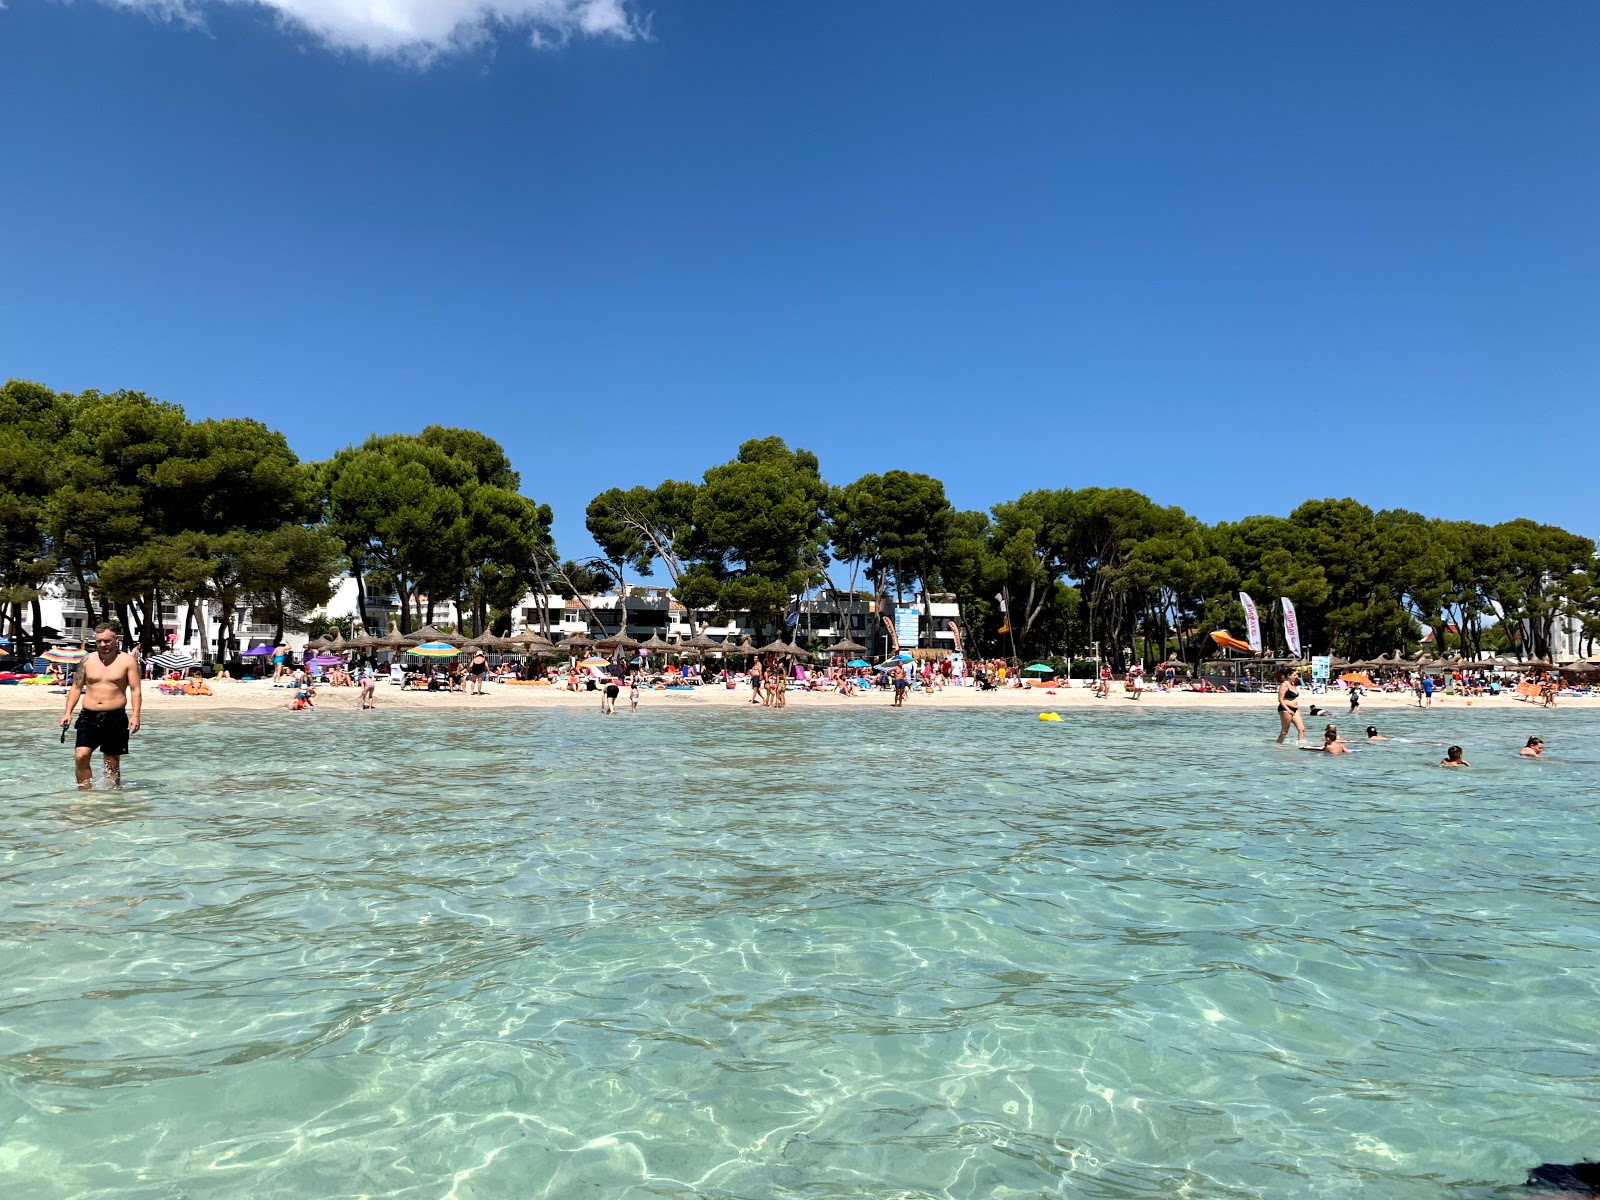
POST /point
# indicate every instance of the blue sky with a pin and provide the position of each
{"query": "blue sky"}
(1234, 255)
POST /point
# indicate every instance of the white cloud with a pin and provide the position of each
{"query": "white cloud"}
(422, 29)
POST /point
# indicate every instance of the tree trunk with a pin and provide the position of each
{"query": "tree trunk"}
(361, 594)
(38, 628)
(89, 620)
(838, 609)
(205, 641)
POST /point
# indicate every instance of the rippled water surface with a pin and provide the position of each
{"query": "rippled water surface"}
(745, 954)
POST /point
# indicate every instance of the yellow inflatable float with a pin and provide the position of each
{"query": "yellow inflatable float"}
(1049, 716)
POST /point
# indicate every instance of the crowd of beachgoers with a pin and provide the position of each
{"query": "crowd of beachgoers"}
(770, 679)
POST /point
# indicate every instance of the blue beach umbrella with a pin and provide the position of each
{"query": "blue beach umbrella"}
(858, 662)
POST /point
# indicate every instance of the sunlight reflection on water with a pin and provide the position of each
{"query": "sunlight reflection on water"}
(745, 954)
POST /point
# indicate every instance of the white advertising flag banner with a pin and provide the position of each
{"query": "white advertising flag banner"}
(1291, 627)
(1252, 622)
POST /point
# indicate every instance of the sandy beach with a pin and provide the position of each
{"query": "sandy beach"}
(232, 695)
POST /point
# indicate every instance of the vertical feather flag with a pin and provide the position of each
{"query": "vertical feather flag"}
(1252, 622)
(1291, 627)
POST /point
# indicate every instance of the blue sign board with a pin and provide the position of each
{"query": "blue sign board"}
(907, 625)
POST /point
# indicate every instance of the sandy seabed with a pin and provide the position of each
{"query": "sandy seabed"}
(233, 695)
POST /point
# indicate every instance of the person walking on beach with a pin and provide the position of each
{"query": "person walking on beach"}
(608, 698)
(280, 661)
(1289, 707)
(477, 669)
(897, 677)
(108, 682)
(633, 695)
(1355, 698)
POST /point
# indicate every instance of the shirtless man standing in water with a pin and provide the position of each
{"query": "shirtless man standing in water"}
(108, 680)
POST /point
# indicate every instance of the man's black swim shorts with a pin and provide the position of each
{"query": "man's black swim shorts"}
(105, 731)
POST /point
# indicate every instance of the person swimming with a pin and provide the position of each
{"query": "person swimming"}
(1374, 736)
(1452, 758)
(1331, 742)
(1534, 748)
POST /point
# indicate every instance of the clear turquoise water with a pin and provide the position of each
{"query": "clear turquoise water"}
(745, 954)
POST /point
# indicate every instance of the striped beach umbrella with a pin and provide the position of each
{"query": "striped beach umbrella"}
(174, 660)
(65, 655)
(434, 650)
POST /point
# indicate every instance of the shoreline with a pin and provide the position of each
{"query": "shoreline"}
(234, 696)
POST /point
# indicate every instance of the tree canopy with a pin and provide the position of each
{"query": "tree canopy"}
(142, 508)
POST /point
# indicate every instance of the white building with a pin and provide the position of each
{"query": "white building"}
(652, 611)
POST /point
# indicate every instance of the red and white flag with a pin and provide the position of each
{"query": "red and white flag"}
(1291, 627)
(1252, 622)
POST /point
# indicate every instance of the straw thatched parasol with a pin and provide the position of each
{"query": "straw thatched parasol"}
(701, 643)
(655, 645)
(776, 646)
(846, 647)
(529, 643)
(576, 641)
(617, 641)
(431, 633)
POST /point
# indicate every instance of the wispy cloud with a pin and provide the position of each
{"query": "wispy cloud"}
(421, 30)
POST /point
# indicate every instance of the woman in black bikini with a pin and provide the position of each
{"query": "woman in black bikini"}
(480, 664)
(1289, 706)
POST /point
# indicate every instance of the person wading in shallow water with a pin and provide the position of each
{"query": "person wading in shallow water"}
(1289, 706)
(108, 681)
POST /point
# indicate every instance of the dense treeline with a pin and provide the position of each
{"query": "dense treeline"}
(1072, 568)
(143, 509)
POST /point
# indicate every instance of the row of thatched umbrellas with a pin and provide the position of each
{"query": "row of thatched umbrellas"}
(533, 644)
(1398, 661)
(1443, 664)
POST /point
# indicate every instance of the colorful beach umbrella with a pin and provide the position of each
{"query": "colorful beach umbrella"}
(256, 652)
(328, 660)
(1041, 668)
(65, 656)
(434, 650)
(858, 662)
